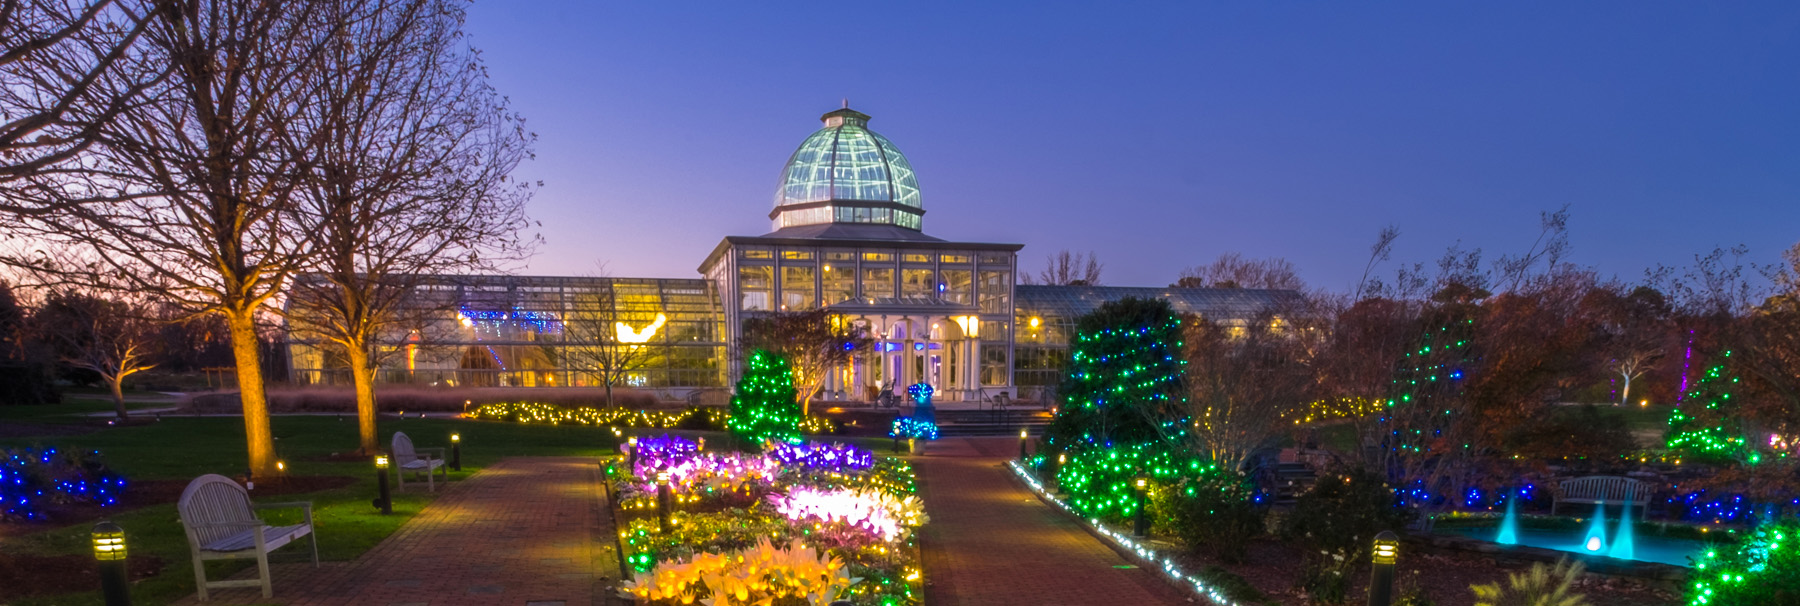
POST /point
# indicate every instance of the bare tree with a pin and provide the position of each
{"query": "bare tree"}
(1067, 268)
(813, 342)
(1232, 270)
(66, 70)
(602, 344)
(1631, 366)
(1550, 247)
(409, 175)
(189, 193)
(1241, 391)
(113, 336)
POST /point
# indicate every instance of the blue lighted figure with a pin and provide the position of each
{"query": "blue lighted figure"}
(923, 422)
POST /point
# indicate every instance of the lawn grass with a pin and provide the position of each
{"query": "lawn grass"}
(181, 448)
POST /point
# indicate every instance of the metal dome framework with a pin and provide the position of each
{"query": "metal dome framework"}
(846, 173)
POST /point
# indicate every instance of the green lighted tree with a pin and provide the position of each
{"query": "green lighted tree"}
(1706, 425)
(765, 407)
(1764, 568)
(1124, 371)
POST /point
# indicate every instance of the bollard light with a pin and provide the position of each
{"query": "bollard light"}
(109, 549)
(385, 500)
(1023, 436)
(455, 451)
(632, 442)
(1381, 572)
(664, 500)
(281, 466)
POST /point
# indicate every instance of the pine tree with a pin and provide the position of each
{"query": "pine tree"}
(765, 407)
(1706, 423)
(1124, 371)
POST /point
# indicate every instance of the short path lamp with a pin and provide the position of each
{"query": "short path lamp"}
(1023, 436)
(109, 549)
(631, 448)
(384, 502)
(664, 499)
(1381, 571)
(455, 451)
(1141, 525)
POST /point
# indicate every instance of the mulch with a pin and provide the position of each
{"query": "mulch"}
(1274, 568)
(23, 576)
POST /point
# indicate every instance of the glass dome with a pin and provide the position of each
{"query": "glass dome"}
(846, 173)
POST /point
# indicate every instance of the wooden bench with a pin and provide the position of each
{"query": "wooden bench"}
(417, 460)
(1602, 489)
(221, 524)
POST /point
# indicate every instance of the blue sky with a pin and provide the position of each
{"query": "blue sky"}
(1159, 135)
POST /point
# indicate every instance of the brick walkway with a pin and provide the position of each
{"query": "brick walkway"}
(991, 542)
(527, 531)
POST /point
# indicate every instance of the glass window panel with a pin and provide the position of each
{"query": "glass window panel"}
(953, 258)
(797, 255)
(998, 258)
(754, 286)
(878, 282)
(798, 293)
(840, 256)
(837, 283)
(757, 253)
(878, 257)
(917, 283)
(995, 288)
(958, 285)
(915, 258)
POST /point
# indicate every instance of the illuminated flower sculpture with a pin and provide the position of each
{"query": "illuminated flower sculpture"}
(708, 472)
(763, 574)
(879, 513)
(837, 457)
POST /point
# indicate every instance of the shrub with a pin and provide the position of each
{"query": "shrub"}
(1343, 512)
(33, 480)
(1540, 586)
(1763, 569)
(1213, 514)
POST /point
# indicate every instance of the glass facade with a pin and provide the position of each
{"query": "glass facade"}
(846, 173)
(507, 331)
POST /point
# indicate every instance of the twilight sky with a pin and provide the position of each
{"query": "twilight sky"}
(1160, 135)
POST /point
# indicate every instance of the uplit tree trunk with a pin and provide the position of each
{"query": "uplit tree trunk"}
(117, 382)
(251, 392)
(362, 378)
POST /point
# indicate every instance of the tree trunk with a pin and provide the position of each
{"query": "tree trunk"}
(118, 393)
(609, 400)
(362, 377)
(1625, 393)
(251, 392)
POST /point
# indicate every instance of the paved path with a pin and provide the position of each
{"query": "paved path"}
(991, 542)
(527, 531)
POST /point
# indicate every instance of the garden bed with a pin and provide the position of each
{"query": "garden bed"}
(27, 575)
(810, 520)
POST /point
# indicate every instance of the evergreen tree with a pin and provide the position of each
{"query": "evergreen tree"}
(1124, 372)
(765, 407)
(1706, 424)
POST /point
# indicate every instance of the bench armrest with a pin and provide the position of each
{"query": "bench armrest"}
(438, 450)
(301, 505)
(246, 524)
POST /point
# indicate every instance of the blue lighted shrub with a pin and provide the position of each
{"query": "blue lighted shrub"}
(32, 480)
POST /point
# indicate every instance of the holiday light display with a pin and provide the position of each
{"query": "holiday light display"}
(765, 409)
(32, 479)
(1123, 361)
(762, 574)
(1763, 569)
(876, 512)
(841, 502)
(1705, 424)
(551, 414)
(1102, 482)
(922, 424)
(836, 457)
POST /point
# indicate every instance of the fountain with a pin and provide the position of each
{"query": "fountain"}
(1596, 535)
(1623, 546)
(1509, 527)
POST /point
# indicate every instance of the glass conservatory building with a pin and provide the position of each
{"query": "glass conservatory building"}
(847, 237)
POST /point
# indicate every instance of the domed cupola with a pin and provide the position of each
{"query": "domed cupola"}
(846, 173)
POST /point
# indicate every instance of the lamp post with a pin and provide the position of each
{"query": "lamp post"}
(455, 451)
(1023, 436)
(1141, 525)
(1381, 571)
(663, 499)
(109, 549)
(385, 502)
